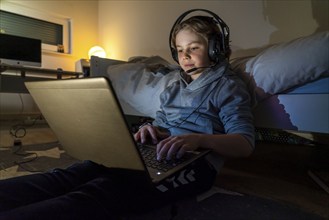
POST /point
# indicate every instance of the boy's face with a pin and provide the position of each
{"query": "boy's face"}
(192, 52)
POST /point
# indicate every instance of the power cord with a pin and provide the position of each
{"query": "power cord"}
(18, 144)
(19, 130)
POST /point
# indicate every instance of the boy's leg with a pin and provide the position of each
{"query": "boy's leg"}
(112, 193)
(97, 192)
(23, 190)
(192, 181)
(89, 201)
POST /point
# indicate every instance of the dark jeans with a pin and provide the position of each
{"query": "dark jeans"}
(91, 191)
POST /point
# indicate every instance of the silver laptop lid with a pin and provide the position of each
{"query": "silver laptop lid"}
(86, 132)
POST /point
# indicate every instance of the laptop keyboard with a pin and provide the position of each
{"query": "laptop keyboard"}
(150, 159)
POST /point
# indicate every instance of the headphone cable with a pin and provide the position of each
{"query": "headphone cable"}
(199, 106)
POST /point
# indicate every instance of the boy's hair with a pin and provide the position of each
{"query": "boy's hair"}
(204, 26)
(201, 25)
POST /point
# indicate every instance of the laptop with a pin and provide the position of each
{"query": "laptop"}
(89, 123)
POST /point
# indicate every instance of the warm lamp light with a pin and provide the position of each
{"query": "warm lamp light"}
(97, 51)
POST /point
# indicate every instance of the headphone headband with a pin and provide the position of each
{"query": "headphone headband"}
(224, 37)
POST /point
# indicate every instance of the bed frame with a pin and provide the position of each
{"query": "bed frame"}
(303, 111)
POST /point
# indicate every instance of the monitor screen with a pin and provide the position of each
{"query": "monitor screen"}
(20, 51)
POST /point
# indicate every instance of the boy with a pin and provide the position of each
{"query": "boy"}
(208, 101)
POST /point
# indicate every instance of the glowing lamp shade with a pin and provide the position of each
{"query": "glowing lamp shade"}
(97, 51)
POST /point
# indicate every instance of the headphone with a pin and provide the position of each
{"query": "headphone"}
(218, 45)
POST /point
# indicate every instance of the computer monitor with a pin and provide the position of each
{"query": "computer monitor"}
(20, 51)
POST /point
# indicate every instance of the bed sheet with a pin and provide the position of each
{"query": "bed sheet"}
(320, 86)
(303, 109)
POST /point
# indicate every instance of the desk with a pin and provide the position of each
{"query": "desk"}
(14, 83)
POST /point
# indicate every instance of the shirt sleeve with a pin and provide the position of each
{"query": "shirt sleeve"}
(235, 112)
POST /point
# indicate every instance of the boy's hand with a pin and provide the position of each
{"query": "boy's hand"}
(149, 132)
(177, 146)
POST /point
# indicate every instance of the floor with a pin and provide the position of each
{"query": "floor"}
(280, 172)
(275, 171)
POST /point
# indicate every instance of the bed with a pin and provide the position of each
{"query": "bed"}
(289, 84)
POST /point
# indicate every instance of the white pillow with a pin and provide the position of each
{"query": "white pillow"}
(286, 65)
(139, 83)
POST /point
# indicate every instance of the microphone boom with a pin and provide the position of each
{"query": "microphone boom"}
(196, 68)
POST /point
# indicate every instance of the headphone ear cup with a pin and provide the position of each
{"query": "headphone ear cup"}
(214, 50)
(218, 48)
(174, 54)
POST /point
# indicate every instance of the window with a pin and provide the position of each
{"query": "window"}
(54, 31)
(47, 32)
